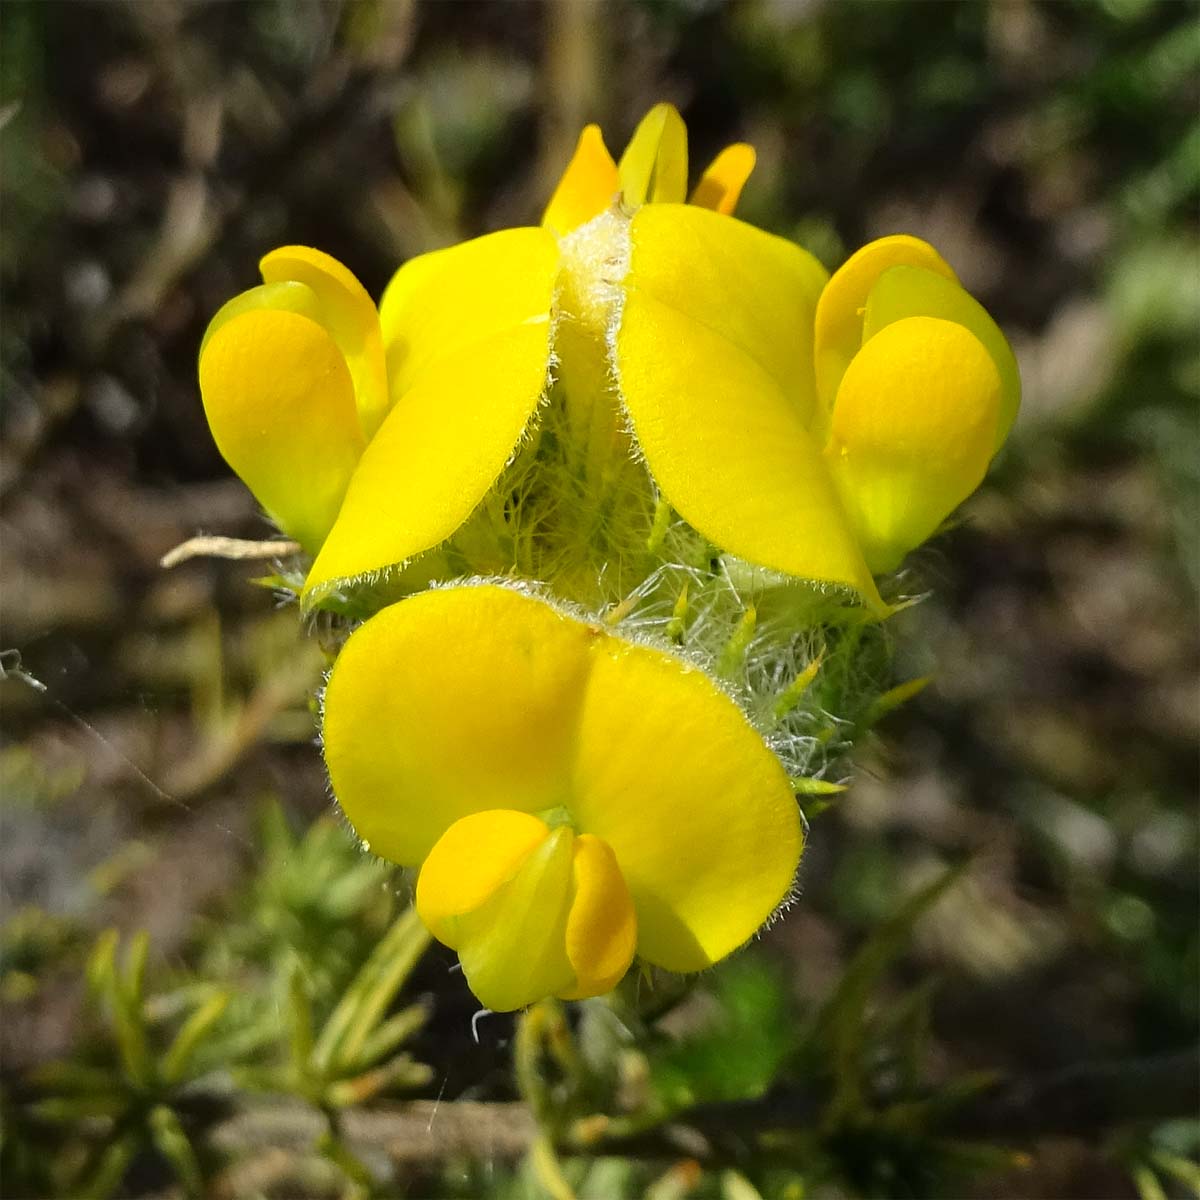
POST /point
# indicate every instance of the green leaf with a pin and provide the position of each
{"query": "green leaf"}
(101, 964)
(403, 1071)
(738, 1056)
(194, 1030)
(733, 655)
(125, 994)
(839, 1025)
(173, 1144)
(370, 992)
(338, 1153)
(300, 1019)
(794, 692)
(548, 1170)
(893, 698)
(1182, 1169)
(804, 785)
(67, 1076)
(735, 1186)
(133, 977)
(395, 1030)
(110, 1171)
(69, 1109)
(1147, 1183)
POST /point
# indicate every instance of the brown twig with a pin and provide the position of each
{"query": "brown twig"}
(1082, 1100)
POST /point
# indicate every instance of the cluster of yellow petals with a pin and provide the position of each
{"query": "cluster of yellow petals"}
(820, 427)
(572, 796)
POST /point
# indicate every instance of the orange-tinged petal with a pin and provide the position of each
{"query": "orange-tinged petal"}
(349, 315)
(280, 403)
(654, 166)
(602, 923)
(913, 431)
(588, 186)
(721, 185)
(840, 310)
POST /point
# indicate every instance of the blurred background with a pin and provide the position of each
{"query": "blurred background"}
(158, 770)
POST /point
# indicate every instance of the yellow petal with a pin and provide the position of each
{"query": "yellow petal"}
(350, 317)
(913, 431)
(439, 305)
(696, 809)
(280, 403)
(513, 947)
(289, 296)
(756, 291)
(654, 166)
(468, 333)
(839, 321)
(715, 370)
(915, 292)
(721, 184)
(588, 186)
(465, 699)
(601, 929)
(470, 862)
(531, 912)
(452, 702)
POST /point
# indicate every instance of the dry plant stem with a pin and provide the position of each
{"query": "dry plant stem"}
(226, 547)
(422, 1131)
(1079, 1101)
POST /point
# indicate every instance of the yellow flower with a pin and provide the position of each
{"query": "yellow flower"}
(294, 383)
(570, 797)
(917, 390)
(817, 427)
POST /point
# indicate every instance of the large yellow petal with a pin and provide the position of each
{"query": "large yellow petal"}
(754, 290)
(697, 810)
(839, 321)
(915, 292)
(913, 431)
(440, 304)
(588, 186)
(713, 366)
(469, 346)
(654, 166)
(280, 403)
(721, 184)
(452, 702)
(349, 315)
(465, 699)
